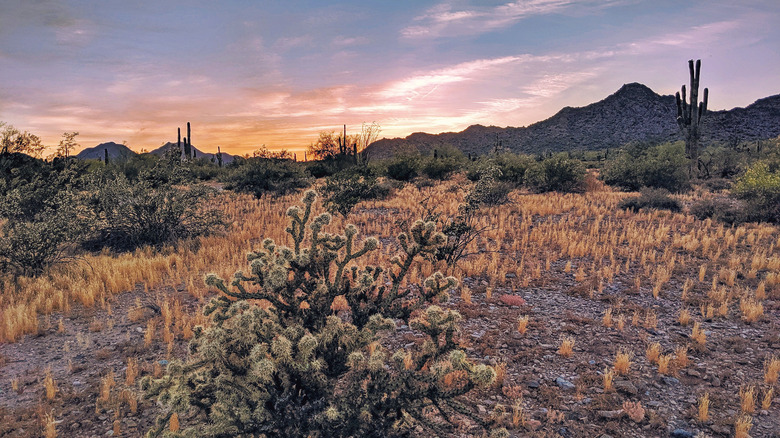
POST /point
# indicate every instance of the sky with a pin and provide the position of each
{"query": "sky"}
(249, 74)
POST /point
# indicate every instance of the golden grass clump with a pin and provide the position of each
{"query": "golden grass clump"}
(607, 378)
(106, 384)
(149, 335)
(607, 318)
(522, 324)
(653, 352)
(704, 408)
(132, 371)
(465, 295)
(663, 364)
(698, 335)
(747, 399)
(622, 362)
(49, 385)
(685, 317)
(752, 309)
(500, 369)
(681, 359)
(50, 428)
(742, 426)
(173, 423)
(766, 402)
(567, 347)
(771, 370)
(634, 410)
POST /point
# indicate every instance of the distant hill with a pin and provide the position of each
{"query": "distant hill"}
(226, 158)
(633, 113)
(116, 151)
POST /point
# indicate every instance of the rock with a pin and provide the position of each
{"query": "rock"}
(721, 429)
(671, 381)
(715, 382)
(565, 384)
(610, 415)
(626, 387)
(163, 362)
(681, 433)
(482, 410)
(533, 384)
(533, 424)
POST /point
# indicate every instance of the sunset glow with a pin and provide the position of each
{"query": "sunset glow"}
(247, 74)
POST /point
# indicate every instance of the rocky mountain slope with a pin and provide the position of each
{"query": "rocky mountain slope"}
(633, 113)
(116, 151)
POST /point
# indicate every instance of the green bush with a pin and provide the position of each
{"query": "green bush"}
(658, 199)
(132, 214)
(313, 363)
(344, 190)
(444, 161)
(557, 173)
(403, 167)
(642, 165)
(719, 209)
(263, 175)
(759, 187)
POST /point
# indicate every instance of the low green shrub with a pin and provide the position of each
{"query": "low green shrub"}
(759, 187)
(718, 208)
(558, 173)
(344, 190)
(658, 199)
(267, 175)
(643, 165)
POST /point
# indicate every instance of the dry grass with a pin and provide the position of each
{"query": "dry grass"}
(747, 399)
(49, 385)
(653, 352)
(607, 378)
(622, 362)
(766, 402)
(742, 426)
(567, 347)
(703, 413)
(522, 324)
(771, 370)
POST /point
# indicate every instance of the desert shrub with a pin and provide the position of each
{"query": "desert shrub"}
(263, 175)
(658, 199)
(312, 362)
(344, 190)
(513, 166)
(403, 167)
(641, 165)
(30, 245)
(132, 214)
(719, 209)
(557, 173)
(43, 212)
(444, 161)
(759, 187)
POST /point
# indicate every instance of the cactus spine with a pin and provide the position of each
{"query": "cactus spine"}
(689, 116)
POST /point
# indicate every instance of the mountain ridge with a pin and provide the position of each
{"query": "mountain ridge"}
(633, 113)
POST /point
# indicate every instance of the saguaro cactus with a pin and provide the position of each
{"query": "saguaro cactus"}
(178, 140)
(188, 143)
(219, 156)
(689, 116)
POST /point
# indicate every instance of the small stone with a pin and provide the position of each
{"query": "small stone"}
(681, 433)
(533, 424)
(163, 362)
(482, 410)
(565, 384)
(626, 387)
(611, 415)
(715, 381)
(102, 418)
(671, 381)
(139, 329)
(533, 384)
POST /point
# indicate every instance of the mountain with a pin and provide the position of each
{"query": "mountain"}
(116, 151)
(633, 113)
(226, 158)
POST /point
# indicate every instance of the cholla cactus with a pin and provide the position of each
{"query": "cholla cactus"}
(311, 364)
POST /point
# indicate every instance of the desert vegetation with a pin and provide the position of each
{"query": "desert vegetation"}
(500, 294)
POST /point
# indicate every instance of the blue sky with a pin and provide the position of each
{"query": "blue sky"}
(275, 73)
